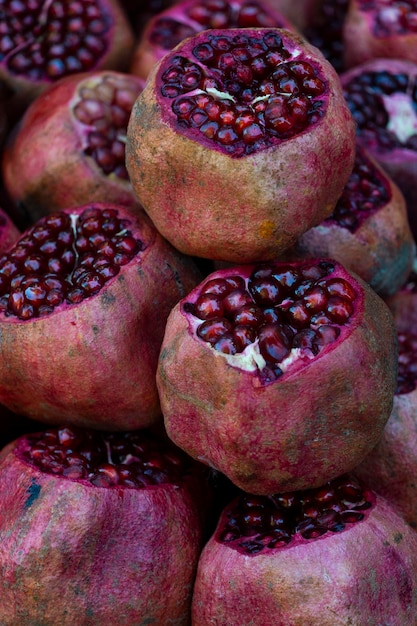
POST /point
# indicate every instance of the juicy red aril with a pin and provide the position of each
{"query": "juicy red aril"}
(130, 459)
(278, 308)
(52, 39)
(64, 258)
(325, 30)
(259, 523)
(407, 362)
(394, 18)
(253, 99)
(365, 192)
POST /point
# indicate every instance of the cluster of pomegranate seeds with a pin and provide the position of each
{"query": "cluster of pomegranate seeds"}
(326, 30)
(104, 111)
(64, 258)
(167, 31)
(52, 39)
(279, 307)
(396, 17)
(128, 459)
(365, 96)
(365, 192)
(407, 362)
(243, 93)
(258, 523)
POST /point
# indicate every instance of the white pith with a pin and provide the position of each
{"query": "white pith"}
(403, 118)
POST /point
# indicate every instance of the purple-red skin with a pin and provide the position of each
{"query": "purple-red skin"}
(312, 424)
(9, 232)
(44, 166)
(366, 574)
(78, 555)
(93, 364)
(210, 204)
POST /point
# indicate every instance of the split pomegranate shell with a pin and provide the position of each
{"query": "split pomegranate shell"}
(338, 553)
(246, 192)
(43, 42)
(188, 17)
(98, 528)
(279, 375)
(368, 232)
(69, 147)
(84, 299)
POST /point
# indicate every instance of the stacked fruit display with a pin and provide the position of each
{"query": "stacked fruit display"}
(207, 306)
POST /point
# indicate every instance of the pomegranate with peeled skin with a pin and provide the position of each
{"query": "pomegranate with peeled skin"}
(335, 554)
(84, 298)
(375, 29)
(382, 96)
(279, 375)
(240, 141)
(69, 148)
(188, 17)
(41, 42)
(368, 232)
(98, 528)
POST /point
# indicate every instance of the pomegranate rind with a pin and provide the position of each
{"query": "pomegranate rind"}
(74, 554)
(93, 364)
(209, 204)
(299, 13)
(44, 165)
(317, 421)
(366, 574)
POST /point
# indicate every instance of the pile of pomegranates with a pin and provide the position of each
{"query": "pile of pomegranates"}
(208, 299)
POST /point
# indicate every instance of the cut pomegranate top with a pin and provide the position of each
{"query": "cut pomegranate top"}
(102, 108)
(64, 258)
(366, 191)
(260, 524)
(132, 459)
(241, 91)
(407, 362)
(48, 40)
(270, 317)
(391, 17)
(383, 105)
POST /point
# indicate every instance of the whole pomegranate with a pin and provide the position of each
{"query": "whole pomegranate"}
(84, 297)
(188, 17)
(380, 29)
(279, 375)
(98, 528)
(335, 554)
(240, 141)
(382, 97)
(368, 231)
(69, 148)
(41, 42)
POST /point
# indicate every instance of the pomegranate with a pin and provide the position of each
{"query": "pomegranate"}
(390, 468)
(279, 375)
(335, 554)
(325, 30)
(240, 141)
(368, 231)
(41, 42)
(69, 148)
(188, 17)
(97, 528)
(382, 97)
(9, 232)
(84, 297)
(376, 29)
(403, 303)
(300, 13)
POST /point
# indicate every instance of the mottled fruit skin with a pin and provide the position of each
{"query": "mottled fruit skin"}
(77, 555)
(211, 204)
(313, 423)
(363, 576)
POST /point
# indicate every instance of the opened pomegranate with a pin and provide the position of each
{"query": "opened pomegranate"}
(382, 97)
(188, 17)
(240, 141)
(376, 29)
(69, 148)
(325, 30)
(279, 375)
(98, 528)
(41, 42)
(338, 554)
(84, 298)
(368, 231)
